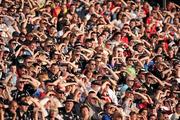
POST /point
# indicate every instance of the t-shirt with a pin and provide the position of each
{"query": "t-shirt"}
(17, 95)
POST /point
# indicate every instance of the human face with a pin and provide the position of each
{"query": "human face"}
(22, 71)
(89, 44)
(20, 86)
(159, 59)
(54, 69)
(69, 106)
(124, 19)
(91, 99)
(53, 113)
(13, 69)
(14, 106)
(98, 61)
(72, 8)
(92, 65)
(165, 117)
(85, 112)
(28, 62)
(140, 48)
(33, 46)
(134, 117)
(24, 108)
(144, 112)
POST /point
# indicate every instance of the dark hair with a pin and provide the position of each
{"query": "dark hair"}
(84, 106)
(132, 113)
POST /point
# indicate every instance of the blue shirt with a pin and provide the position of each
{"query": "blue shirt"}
(106, 117)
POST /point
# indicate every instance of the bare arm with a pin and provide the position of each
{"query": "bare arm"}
(142, 96)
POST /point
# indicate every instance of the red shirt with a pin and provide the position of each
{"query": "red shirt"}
(124, 40)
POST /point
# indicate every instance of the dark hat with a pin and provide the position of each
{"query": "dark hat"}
(15, 34)
(96, 82)
(22, 103)
(69, 99)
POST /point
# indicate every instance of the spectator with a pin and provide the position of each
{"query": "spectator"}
(89, 60)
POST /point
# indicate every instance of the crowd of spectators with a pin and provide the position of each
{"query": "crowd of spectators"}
(89, 60)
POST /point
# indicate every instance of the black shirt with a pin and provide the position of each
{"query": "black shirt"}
(28, 115)
(67, 116)
(8, 115)
(151, 89)
(17, 95)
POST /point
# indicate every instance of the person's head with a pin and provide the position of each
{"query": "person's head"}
(23, 106)
(88, 43)
(133, 115)
(60, 94)
(171, 53)
(52, 30)
(160, 67)
(12, 43)
(33, 45)
(72, 8)
(159, 58)
(164, 116)
(133, 6)
(124, 18)
(49, 86)
(22, 70)
(20, 84)
(149, 79)
(96, 85)
(130, 81)
(15, 35)
(92, 98)
(176, 21)
(109, 108)
(117, 116)
(129, 94)
(53, 112)
(98, 60)
(129, 61)
(132, 23)
(144, 112)
(69, 104)
(29, 36)
(91, 64)
(13, 105)
(140, 47)
(85, 111)
(152, 117)
(28, 61)
(54, 68)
